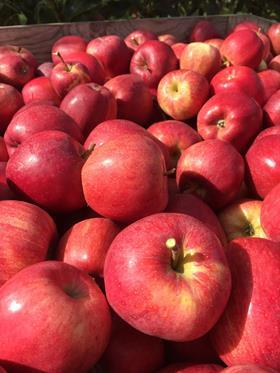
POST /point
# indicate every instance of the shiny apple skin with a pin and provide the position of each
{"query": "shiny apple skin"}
(146, 292)
(57, 310)
(10, 102)
(40, 89)
(249, 327)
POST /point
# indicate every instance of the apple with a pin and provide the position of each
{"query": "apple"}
(242, 219)
(232, 117)
(240, 78)
(272, 110)
(248, 330)
(137, 37)
(178, 49)
(10, 102)
(273, 33)
(131, 351)
(248, 368)
(35, 118)
(88, 105)
(176, 135)
(15, 71)
(66, 45)
(246, 25)
(270, 80)
(46, 169)
(203, 30)
(275, 130)
(27, 234)
(216, 42)
(263, 165)
(125, 178)
(191, 368)
(168, 39)
(269, 214)
(40, 88)
(266, 45)
(60, 310)
(181, 93)
(45, 69)
(202, 58)
(274, 63)
(112, 52)
(164, 272)
(152, 60)
(211, 169)
(86, 243)
(66, 76)
(129, 90)
(18, 51)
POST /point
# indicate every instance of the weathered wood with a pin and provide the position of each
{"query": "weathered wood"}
(39, 38)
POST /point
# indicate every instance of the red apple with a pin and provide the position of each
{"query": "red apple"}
(129, 90)
(270, 213)
(240, 78)
(274, 63)
(89, 104)
(242, 219)
(266, 45)
(40, 89)
(211, 169)
(35, 118)
(191, 368)
(5, 190)
(164, 272)
(66, 45)
(181, 93)
(176, 135)
(203, 30)
(274, 36)
(10, 102)
(202, 58)
(125, 178)
(249, 327)
(232, 117)
(45, 69)
(168, 39)
(137, 37)
(178, 49)
(216, 42)
(152, 60)
(23, 53)
(86, 243)
(270, 80)
(4, 156)
(15, 71)
(263, 165)
(246, 25)
(113, 54)
(272, 110)
(58, 309)
(275, 130)
(248, 368)
(46, 169)
(27, 234)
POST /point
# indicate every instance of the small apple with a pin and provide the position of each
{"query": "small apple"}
(40, 88)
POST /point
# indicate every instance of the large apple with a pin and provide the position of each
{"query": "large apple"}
(59, 312)
(230, 116)
(164, 273)
(249, 327)
(211, 169)
(125, 178)
(27, 234)
(10, 102)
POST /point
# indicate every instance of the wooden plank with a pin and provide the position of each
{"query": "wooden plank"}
(39, 38)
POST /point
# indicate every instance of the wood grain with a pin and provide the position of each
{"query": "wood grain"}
(39, 38)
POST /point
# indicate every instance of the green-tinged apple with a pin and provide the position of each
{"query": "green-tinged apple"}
(167, 276)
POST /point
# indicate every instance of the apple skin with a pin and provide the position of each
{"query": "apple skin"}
(168, 39)
(191, 368)
(137, 37)
(5, 191)
(240, 78)
(274, 63)
(272, 110)
(4, 156)
(152, 60)
(246, 25)
(131, 351)
(66, 76)
(181, 93)
(61, 303)
(112, 52)
(275, 130)
(40, 89)
(86, 243)
(270, 80)
(211, 169)
(249, 327)
(10, 102)
(176, 135)
(88, 105)
(173, 304)
(248, 368)
(263, 165)
(232, 117)
(274, 36)
(45, 69)
(46, 169)
(27, 234)
(242, 219)
(178, 49)
(270, 214)
(36, 117)
(202, 58)
(15, 71)
(66, 45)
(129, 90)
(203, 30)
(125, 178)
(216, 42)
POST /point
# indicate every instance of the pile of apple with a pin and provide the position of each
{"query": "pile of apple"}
(140, 204)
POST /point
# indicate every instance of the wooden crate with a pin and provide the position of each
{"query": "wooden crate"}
(39, 38)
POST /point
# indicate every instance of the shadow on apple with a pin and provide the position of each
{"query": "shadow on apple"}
(12, 367)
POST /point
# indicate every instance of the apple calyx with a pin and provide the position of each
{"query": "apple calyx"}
(249, 230)
(177, 255)
(221, 123)
(67, 66)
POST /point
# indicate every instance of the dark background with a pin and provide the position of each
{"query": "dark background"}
(14, 12)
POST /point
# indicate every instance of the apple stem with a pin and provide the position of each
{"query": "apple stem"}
(176, 253)
(88, 151)
(63, 61)
(19, 49)
(221, 123)
(249, 230)
(226, 63)
(170, 172)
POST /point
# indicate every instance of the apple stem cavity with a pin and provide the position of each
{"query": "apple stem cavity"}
(177, 255)
(249, 230)
(63, 61)
(88, 152)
